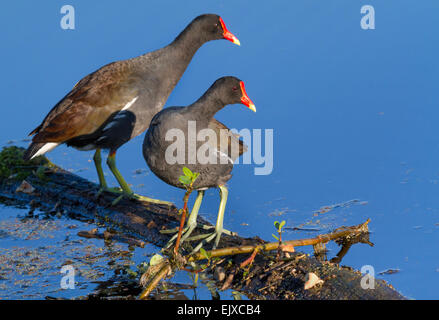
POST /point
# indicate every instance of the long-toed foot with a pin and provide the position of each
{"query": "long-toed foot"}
(187, 231)
(132, 196)
(191, 223)
(219, 230)
(126, 190)
(110, 190)
(121, 194)
(206, 238)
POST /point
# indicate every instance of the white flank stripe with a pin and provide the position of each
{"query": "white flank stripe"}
(46, 148)
(222, 154)
(129, 104)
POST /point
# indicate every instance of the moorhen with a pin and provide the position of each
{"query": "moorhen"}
(114, 104)
(212, 159)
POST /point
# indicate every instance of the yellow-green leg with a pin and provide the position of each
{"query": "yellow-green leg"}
(126, 190)
(219, 221)
(102, 182)
(111, 162)
(192, 221)
(98, 164)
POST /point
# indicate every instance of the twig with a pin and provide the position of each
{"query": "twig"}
(338, 233)
(111, 236)
(182, 219)
(251, 258)
(164, 270)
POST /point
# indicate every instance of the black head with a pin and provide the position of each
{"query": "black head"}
(231, 90)
(212, 27)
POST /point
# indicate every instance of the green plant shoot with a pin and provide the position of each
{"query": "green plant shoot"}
(188, 178)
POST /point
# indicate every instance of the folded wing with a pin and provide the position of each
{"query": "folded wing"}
(90, 103)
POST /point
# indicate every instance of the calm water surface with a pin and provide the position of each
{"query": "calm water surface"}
(354, 114)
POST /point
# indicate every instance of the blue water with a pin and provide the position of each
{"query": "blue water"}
(354, 111)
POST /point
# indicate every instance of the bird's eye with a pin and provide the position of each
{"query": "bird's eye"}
(235, 88)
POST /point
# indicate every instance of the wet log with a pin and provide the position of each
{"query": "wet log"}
(50, 188)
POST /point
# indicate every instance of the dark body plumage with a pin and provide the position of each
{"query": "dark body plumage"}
(201, 112)
(186, 125)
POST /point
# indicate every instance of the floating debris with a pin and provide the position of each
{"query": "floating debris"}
(219, 274)
(111, 236)
(140, 171)
(389, 271)
(280, 212)
(25, 187)
(287, 248)
(303, 229)
(312, 280)
(345, 204)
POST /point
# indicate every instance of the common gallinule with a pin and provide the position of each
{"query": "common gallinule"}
(114, 104)
(212, 160)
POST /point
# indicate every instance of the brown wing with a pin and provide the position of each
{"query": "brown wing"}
(234, 147)
(93, 99)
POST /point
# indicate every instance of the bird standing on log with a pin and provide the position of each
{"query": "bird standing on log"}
(214, 158)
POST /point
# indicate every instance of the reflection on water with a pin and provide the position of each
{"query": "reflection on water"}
(35, 245)
(33, 249)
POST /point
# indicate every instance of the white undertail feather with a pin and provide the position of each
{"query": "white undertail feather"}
(46, 148)
(51, 145)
